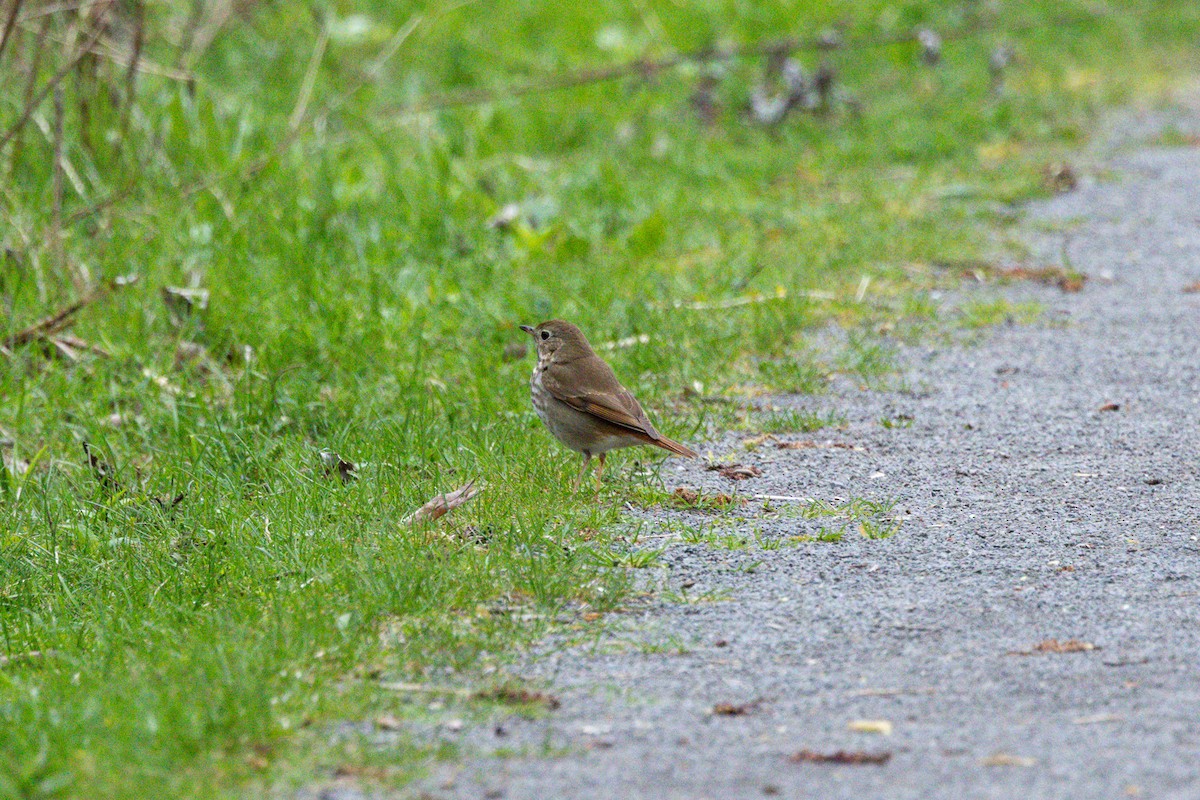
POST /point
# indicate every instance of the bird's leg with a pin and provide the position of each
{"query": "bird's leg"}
(600, 470)
(587, 456)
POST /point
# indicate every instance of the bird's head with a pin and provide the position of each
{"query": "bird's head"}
(559, 340)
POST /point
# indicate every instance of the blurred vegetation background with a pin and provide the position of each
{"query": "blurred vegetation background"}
(236, 234)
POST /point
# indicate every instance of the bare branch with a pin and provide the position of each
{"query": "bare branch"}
(8, 25)
(648, 67)
(65, 316)
(63, 71)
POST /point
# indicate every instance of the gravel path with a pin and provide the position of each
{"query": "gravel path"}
(1029, 514)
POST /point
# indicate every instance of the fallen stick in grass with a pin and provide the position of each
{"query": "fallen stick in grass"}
(442, 504)
(65, 317)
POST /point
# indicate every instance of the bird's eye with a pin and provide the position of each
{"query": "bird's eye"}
(545, 335)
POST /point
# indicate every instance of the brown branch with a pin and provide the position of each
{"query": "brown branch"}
(63, 71)
(204, 35)
(35, 66)
(50, 9)
(64, 316)
(124, 58)
(8, 25)
(189, 32)
(648, 67)
(139, 32)
(101, 204)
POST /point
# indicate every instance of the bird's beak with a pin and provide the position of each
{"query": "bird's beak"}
(528, 329)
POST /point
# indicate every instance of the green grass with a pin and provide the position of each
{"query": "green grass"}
(795, 421)
(204, 648)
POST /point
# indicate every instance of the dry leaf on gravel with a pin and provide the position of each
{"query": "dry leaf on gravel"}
(735, 472)
(1067, 280)
(685, 497)
(735, 709)
(386, 722)
(1192, 288)
(1055, 646)
(1059, 177)
(1051, 276)
(839, 757)
(1068, 646)
(1008, 760)
(1110, 407)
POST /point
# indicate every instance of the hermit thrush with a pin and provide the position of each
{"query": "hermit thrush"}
(581, 401)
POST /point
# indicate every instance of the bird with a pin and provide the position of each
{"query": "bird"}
(578, 397)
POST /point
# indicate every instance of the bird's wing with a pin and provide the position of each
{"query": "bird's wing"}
(610, 401)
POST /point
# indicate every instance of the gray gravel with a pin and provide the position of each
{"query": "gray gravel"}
(1027, 514)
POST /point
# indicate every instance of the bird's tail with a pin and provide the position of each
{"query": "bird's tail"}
(675, 447)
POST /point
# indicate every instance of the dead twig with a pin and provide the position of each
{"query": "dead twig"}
(9, 22)
(64, 317)
(35, 66)
(131, 77)
(101, 204)
(205, 35)
(32, 104)
(442, 504)
(646, 67)
(68, 345)
(393, 46)
(127, 58)
(854, 757)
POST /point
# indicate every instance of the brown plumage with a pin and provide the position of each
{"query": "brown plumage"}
(577, 396)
